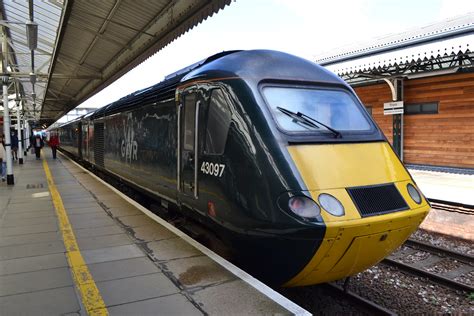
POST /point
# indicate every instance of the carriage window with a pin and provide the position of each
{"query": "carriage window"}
(218, 121)
(189, 121)
(335, 108)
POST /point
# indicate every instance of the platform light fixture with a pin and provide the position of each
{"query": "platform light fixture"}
(32, 78)
(32, 34)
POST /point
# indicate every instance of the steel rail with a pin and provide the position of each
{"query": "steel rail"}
(370, 305)
(439, 250)
(452, 206)
(426, 274)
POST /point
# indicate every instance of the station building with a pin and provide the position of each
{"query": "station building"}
(429, 69)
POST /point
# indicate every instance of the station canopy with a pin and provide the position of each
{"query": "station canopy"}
(436, 49)
(83, 46)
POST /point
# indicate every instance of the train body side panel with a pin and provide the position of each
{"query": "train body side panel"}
(140, 146)
(69, 138)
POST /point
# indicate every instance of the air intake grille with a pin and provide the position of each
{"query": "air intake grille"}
(376, 200)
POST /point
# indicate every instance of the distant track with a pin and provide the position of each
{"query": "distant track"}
(452, 206)
(436, 255)
(440, 250)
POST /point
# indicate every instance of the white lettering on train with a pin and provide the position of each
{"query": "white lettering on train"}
(129, 146)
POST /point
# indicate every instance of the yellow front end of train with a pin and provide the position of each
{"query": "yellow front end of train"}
(354, 241)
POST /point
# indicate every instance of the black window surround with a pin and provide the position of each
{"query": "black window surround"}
(421, 108)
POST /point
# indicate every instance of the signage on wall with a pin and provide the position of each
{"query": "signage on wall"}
(390, 108)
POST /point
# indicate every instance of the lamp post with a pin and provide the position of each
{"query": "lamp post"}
(6, 129)
(19, 132)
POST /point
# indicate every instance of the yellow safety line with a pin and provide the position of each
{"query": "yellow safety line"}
(91, 298)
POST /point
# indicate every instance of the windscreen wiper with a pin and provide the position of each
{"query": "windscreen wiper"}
(298, 118)
(301, 117)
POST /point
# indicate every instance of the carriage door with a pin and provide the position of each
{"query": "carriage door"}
(188, 145)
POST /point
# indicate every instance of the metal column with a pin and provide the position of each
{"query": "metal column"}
(6, 130)
(6, 113)
(19, 132)
(398, 120)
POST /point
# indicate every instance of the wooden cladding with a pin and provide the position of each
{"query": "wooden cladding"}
(443, 139)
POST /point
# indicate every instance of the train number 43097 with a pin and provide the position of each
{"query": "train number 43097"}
(213, 169)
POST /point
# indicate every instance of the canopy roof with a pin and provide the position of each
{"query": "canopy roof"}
(434, 49)
(83, 46)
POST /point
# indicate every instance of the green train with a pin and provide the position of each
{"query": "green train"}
(272, 153)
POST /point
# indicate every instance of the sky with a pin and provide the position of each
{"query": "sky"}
(306, 28)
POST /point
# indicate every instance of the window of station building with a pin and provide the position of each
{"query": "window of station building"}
(218, 122)
(421, 108)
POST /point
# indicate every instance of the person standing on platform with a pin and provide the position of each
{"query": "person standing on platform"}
(38, 144)
(53, 143)
(14, 142)
(3, 158)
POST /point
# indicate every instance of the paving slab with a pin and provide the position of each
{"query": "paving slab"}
(152, 232)
(29, 264)
(236, 298)
(79, 217)
(91, 223)
(58, 301)
(34, 281)
(118, 211)
(174, 248)
(30, 214)
(97, 242)
(135, 220)
(29, 239)
(172, 305)
(198, 271)
(30, 250)
(113, 229)
(112, 253)
(31, 229)
(27, 221)
(120, 269)
(137, 288)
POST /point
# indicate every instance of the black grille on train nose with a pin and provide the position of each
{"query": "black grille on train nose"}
(377, 199)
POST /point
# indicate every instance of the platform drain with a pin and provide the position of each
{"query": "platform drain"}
(35, 186)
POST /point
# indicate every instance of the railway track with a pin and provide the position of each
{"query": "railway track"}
(440, 265)
(370, 306)
(452, 206)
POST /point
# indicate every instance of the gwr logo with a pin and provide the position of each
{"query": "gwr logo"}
(129, 146)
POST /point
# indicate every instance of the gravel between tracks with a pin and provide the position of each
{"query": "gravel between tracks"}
(406, 294)
(448, 242)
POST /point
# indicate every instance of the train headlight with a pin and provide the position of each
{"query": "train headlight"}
(304, 207)
(414, 194)
(331, 205)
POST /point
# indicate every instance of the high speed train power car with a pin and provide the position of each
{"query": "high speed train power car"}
(272, 153)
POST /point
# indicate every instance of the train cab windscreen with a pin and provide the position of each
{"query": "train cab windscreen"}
(303, 109)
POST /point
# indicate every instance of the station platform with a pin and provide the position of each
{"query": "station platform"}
(445, 186)
(451, 187)
(72, 245)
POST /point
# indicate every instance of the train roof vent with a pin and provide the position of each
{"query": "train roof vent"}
(377, 199)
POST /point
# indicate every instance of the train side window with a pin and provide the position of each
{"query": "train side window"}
(218, 122)
(189, 121)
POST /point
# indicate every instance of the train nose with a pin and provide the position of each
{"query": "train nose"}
(351, 246)
(368, 206)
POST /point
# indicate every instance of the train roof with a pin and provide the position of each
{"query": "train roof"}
(250, 65)
(258, 65)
